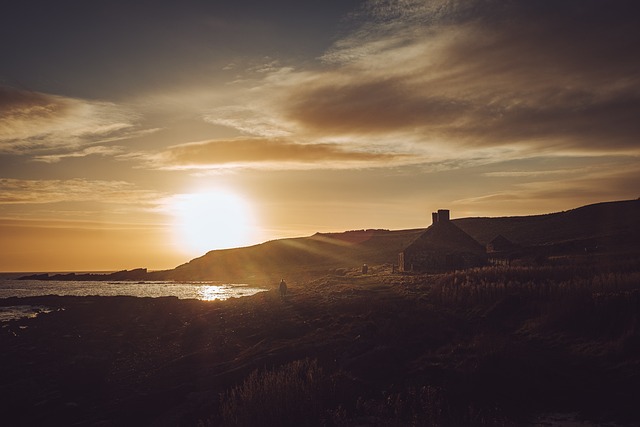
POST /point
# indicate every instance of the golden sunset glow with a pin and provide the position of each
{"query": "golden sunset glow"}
(209, 220)
(314, 117)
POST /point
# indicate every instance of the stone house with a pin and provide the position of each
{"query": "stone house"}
(442, 247)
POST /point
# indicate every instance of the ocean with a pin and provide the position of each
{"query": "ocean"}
(207, 291)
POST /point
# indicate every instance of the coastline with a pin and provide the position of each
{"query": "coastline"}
(165, 361)
(203, 290)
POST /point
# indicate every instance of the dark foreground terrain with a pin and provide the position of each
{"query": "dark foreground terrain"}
(492, 346)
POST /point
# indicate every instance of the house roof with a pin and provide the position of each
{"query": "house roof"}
(445, 237)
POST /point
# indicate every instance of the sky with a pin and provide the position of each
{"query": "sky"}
(145, 133)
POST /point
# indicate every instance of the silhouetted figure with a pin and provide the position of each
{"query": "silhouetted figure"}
(283, 288)
(365, 268)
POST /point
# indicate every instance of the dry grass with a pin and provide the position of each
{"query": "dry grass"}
(289, 396)
(487, 347)
(591, 303)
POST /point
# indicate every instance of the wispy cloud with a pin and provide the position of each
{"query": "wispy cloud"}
(266, 153)
(33, 122)
(534, 173)
(18, 191)
(248, 120)
(99, 150)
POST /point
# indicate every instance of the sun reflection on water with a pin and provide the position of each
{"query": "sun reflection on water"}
(223, 292)
(208, 291)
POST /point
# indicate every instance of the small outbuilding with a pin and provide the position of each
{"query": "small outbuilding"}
(500, 244)
(500, 250)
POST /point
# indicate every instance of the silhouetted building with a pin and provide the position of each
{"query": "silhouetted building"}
(443, 246)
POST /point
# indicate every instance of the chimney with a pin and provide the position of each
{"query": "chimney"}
(434, 217)
(443, 215)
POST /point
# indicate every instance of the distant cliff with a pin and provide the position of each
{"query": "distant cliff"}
(124, 275)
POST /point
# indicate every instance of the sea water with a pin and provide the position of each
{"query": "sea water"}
(207, 291)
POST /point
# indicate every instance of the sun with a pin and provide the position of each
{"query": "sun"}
(216, 219)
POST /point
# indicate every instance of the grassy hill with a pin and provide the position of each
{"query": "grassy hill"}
(611, 226)
(303, 256)
(615, 225)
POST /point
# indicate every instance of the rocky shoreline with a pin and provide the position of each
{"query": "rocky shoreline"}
(123, 275)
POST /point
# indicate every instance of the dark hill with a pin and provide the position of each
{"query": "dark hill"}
(614, 224)
(298, 256)
(611, 226)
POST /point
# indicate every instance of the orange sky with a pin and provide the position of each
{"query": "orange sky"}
(142, 137)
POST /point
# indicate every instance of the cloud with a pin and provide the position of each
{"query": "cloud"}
(18, 191)
(267, 153)
(89, 151)
(537, 173)
(33, 122)
(247, 120)
(554, 77)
